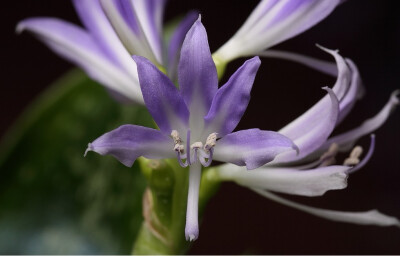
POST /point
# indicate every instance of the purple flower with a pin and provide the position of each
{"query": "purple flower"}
(313, 171)
(196, 121)
(272, 22)
(114, 31)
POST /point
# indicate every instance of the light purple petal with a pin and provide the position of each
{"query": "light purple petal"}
(273, 22)
(95, 20)
(79, 47)
(150, 14)
(175, 43)
(346, 140)
(162, 98)
(231, 100)
(313, 128)
(124, 21)
(251, 148)
(197, 75)
(354, 92)
(129, 142)
(371, 217)
(314, 182)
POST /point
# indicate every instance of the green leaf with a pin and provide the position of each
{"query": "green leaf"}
(52, 199)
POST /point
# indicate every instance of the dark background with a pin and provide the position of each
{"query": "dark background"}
(237, 220)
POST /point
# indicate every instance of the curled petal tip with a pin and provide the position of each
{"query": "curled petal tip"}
(89, 148)
(20, 27)
(394, 98)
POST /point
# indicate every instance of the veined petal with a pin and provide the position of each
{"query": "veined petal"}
(76, 45)
(296, 128)
(224, 116)
(150, 14)
(348, 86)
(127, 26)
(95, 20)
(346, 140)
(251, 148)
(313, 182)
(176, 41)
(162, 98)
(129, 142)
(313, 128)
(197, 75)
(372, 217)
(273, 22)
(354, 92)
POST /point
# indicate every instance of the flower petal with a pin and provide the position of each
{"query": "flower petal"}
(311, 129)
(95, 20)
(372, 217)
(251, 148)
(197, 75)
(346, 140)
(127, 26)
(273, 22)
(150, 14)
(327, 67)
(129, 142)
(176, 41)
(162, 98)
(224, 116)
(313, 182)
(76, 45)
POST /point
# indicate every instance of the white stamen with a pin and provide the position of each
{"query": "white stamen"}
(179, 148)
(354, 157)
(175, 137)
(211, 141)
(328, 158)
(196, 145)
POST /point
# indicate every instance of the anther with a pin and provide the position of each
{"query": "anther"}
(196, 145)
(179, 148)
(210, 142)
(354, 159)
(175, 137)
(328, 158)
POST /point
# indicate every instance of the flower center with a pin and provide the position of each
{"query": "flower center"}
(194, 152)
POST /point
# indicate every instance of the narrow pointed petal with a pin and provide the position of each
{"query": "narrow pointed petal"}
(192, 219)
(126, 24)
(251, 148)
(197, 75)
(95, 20)
(76, 45)
(176, 42)
(162, 98)
(312, 129)
(313, 182)
(224, 116)
(150, 13)
(372, 217)
(346, 140)
(327, 67)
(128, 142)
(273, 22)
